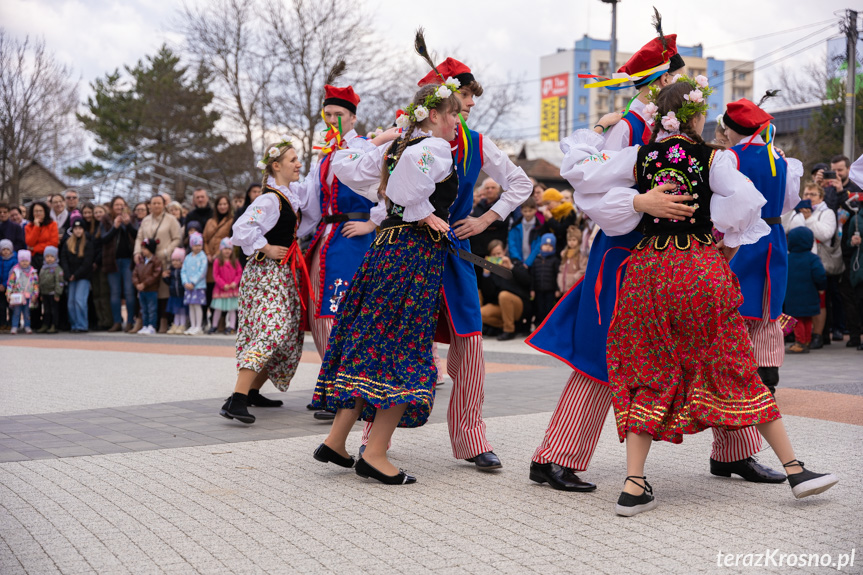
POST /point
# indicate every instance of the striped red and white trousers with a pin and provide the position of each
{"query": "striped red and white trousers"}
(465, 364)
(320, 326)
(767, 338)
(577, 421)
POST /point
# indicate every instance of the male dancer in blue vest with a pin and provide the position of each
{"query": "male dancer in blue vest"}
(762, 268)
(344, 234)
(460, 320)
(577, 330)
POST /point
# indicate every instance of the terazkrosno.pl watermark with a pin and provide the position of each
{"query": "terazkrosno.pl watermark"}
(776, 558)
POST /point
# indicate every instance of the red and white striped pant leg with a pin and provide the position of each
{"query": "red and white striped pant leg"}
(735, 445)
(466, 367)
(576, 424)
(321, 326)
(767, 338)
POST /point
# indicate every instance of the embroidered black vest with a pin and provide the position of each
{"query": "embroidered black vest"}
(676, 160)
(284, 232)
(441, 199)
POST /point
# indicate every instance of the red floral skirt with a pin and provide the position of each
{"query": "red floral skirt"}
(679, 357)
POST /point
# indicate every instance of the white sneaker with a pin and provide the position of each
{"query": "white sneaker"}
(147, 330)
(196, 331)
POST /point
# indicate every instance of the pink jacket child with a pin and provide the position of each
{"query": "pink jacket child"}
(227, 273)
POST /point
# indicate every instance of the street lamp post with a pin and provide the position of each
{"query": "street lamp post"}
(612, 58)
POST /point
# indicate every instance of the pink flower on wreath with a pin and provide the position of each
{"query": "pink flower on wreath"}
(696, 96)
(701, 81)
(670, 122)
(650, 110)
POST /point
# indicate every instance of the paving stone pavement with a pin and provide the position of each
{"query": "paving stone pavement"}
(114, 460)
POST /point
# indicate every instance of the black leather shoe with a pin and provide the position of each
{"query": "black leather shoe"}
(311, 407)
(327, 455)
(324, 415)
(369, 472)
(506, 336)
(236, 407)
(487, 461)
(817, 341)
(749, 469)
(838, 336)
(558, 477)
(258, 400)
(852, 342)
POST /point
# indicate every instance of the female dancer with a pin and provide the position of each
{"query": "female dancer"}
(678, 354)
(269, 333)
(378, 365)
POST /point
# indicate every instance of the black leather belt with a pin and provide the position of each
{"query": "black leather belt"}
(772, 221)
(337, 218)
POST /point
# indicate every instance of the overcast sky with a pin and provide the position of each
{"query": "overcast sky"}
(96, 36)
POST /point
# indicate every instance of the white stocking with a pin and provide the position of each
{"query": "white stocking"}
(231, 320)
(196, 315)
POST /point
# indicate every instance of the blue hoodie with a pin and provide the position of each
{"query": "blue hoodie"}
(805, 275)
(6, 267)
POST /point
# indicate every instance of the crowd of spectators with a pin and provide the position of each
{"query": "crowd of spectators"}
(825, 290)
(161, 267)
(544, 243)
(72, 266)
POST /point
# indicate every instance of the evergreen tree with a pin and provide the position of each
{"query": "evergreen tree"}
(157, 110)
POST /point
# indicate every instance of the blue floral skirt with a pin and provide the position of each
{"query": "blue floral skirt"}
(195, 297)
(380, 349)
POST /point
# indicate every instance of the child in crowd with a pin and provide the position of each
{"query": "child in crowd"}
(806, 276)
(559, 215)
(77, 261)
(8, 260)
(573, 261)
(145, 278)
(543, 275)
(22, 290)
(51, 282)
(194, 276)
(523, 238)
(226, 273)
(176, 292)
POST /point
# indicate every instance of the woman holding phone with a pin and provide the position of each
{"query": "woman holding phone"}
(814, 214)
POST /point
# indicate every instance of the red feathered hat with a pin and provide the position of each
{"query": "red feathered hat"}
(745, 117)
(344, 97)
(449, 68)
(654, 54)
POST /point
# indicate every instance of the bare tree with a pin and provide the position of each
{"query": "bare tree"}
(312, 37)
(806, 86)
(37, 103)
(227, 37)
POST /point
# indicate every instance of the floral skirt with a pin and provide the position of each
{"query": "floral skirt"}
(380, 349)
(269, 314)
(195, 297)
(175, 305)
(679, 357)
(224, 303)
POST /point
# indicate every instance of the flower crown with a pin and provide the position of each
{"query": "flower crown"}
(417, 113)
(696, 103)
(274, 152)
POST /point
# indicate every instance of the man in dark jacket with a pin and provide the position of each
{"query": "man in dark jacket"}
(505, 300)
(11, 231)
(202, 211)
(844, 197)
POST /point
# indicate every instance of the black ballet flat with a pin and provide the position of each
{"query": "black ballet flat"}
(367, 471)
(327, 455)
